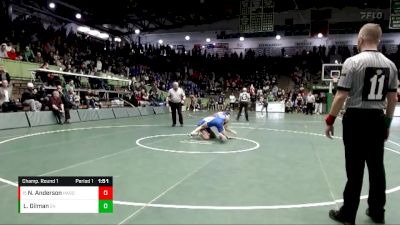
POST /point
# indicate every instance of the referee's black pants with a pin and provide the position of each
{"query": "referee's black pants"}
(176, 107)
(364, 132)
(244, 105)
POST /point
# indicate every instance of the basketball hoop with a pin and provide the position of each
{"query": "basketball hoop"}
(335, 76)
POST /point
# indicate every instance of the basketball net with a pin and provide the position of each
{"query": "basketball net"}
(335, 79)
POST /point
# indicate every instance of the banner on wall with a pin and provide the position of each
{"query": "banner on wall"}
(222, 45)
(370, 15)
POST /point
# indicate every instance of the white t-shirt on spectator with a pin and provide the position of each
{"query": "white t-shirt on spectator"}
(99, 65)
(176, 96)
(310, 99)
(232, 99)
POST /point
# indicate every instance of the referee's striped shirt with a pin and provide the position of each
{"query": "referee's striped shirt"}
(368, 76)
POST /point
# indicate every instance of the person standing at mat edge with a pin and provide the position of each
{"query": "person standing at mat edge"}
(244, 99)
(367, 80)
(176, 98)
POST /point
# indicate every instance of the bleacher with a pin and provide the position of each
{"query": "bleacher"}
(21, 74)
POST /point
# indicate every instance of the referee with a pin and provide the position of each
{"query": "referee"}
(368, 79)
(176, 98)
(244, 99)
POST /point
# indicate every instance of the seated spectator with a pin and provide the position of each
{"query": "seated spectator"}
(289, 106)
(57, 107)
(12, 54)
(29, 98)
(4, 75)
(144, 96)
(211, 104)
(43, 76)
(154, 97)
(3, 51)
(69, 85)
(47, 78)
(91, 100)
(43, 97)
(72, 99)
(39, 58)
(6, 103)
(28, 55)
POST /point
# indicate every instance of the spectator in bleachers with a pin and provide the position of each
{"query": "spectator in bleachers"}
(3, 51)
(39, 58)
(72, 99)
(4, 75)
(29, 98)
(70, 85)
(91, 99)
(43, 76)
(6, 102)
(28, 54)
(144, 96)
(154, 96)
(12, 54)
(57, 107)
(43, 98)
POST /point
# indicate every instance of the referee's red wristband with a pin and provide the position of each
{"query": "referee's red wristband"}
(330, 120)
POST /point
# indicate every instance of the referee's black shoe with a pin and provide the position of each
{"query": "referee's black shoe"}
(376, 217)
(337, 216)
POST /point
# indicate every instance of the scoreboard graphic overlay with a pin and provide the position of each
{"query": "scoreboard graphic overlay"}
(65, 194)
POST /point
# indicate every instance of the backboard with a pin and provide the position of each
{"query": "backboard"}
(329, 71)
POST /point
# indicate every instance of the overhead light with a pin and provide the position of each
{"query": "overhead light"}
(137, 31)
(160, 42)
(214, 43)
(103, 36)
(336, 61)
(83, 29)
(52, 5)
(320, 35)
(94, 32)
(187, 37)
(203, 46)
(105, 48)
(117, 39)
(78, 16)
(208, 40)
(278, 37)
(171, 46)
(241, 38)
